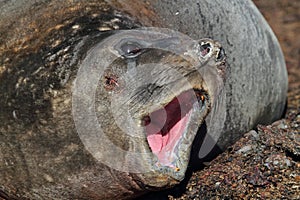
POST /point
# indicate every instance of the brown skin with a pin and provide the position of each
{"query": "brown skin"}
(42, 156)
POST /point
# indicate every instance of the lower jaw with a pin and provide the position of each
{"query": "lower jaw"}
(174, 162)
(174, 172)
(168, 155)
(158, 181)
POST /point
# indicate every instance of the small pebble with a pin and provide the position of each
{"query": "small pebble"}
(76, 26)
(254, 134)
(104, 28)
(245, 149)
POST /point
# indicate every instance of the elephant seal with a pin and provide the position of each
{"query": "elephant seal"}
(49, 148)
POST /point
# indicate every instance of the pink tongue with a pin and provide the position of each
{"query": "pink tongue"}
(165, 126)
(157, 141)
(163, 145)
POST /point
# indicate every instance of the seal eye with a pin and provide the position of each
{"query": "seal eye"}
(131, 50)
(205, 48)
(221, 54)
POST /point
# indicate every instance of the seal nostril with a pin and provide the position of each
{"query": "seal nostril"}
(205, 48)
(131, 50)
(221, 54)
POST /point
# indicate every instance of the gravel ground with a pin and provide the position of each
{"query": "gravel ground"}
(264, 164)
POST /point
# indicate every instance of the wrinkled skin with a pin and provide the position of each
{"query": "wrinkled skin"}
(44, 44)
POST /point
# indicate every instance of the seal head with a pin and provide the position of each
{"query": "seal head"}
(150, 101)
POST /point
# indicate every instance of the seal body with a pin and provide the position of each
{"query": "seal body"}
(44, 44)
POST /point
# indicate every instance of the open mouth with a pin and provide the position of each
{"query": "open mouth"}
(165, 127)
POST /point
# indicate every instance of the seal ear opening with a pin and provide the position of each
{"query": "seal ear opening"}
(205, 48)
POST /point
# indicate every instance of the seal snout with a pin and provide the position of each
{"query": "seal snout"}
(212, 50)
